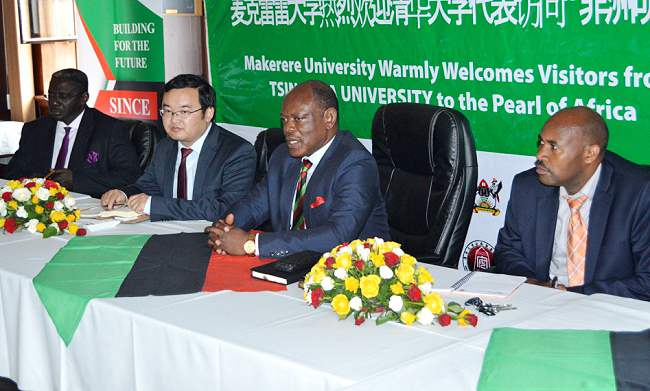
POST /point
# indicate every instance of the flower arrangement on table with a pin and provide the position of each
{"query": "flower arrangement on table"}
(373, 276)
(38, 205)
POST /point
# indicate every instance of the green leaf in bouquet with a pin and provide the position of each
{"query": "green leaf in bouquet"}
(454, 307)
(49, 232)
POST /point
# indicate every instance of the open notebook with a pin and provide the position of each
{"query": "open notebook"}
(123, 214)
(485, 285)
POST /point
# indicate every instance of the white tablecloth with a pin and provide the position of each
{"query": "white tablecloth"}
(256, 341)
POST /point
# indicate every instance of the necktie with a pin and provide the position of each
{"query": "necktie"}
(181, 189)
(298, 217)
(63, 152)
(577, 243)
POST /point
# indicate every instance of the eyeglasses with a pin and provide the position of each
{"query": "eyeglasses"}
(182, 114)
(61, 96)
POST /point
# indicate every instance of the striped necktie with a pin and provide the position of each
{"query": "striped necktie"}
(577, 243)
(298, 216)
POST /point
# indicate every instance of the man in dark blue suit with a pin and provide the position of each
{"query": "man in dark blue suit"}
(89, 151)
(341, 200)
(537, 240)
(199, 170)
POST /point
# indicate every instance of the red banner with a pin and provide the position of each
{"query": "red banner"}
(128, 104)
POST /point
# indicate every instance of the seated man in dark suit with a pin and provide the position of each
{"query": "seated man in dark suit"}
(199, 170)
(580, 221)
(89, 151)
(322, 188)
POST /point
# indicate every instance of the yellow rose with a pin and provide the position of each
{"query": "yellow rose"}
(321, 262)
(72, 228)
(63, 190)
(434, 303)
(35, 200)
(383, 248)
(317, 273)
(407, 259)
(340, 304)
(12, 205)
(77, 214)
(393, 245)
(70, 218)
(377, 259)
(405, 273)
(57, 216)
(352, 284)
(407, 317)
(397, 288)
(355, 243)
(53, 190)
(33, 190)
(424, 275)
(2, 222)
(371, 241)
(14, 184)
(39, 209)
(40, 227)
(370, 285)
(461, 318)
(343, 260)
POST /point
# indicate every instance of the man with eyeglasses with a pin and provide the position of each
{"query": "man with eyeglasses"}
(199, 170)
(80, 147)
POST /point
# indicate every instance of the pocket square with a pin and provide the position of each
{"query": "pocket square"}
(319, 201)
(93, 157)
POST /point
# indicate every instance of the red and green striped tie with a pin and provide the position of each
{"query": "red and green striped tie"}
(298, 216)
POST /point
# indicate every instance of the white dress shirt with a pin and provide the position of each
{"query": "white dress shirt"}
(191, 163)
(558, 266)
(60, 134)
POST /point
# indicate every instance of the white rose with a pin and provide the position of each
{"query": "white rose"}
(426, 288)
(396, 303)
(398, 251)
(31, 225)
(6, 189)
(424, 316)
(22, 194)
(327, 283)
(364, 253)
(327, 255)
(385, 272)
(356, 303)
(43, 194)
(69, 202)
(345, 249)
(340, 273)
(21, 212)
(39, 180)
(379, 241)
(3, 208)
(58, 205)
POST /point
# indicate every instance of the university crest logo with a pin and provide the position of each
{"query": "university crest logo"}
(487, 197)
(477, 255)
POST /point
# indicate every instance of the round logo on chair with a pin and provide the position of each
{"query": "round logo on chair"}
(477, 256)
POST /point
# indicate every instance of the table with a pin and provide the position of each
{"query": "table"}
(264, 340)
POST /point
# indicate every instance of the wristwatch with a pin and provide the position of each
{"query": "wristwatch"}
(249, 246)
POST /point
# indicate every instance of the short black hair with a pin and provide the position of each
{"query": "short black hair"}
(323, 94)
(207, 96)
(76, 76)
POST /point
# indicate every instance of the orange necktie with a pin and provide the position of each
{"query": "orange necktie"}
(576, 248)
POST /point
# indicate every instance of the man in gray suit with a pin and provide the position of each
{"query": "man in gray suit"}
(199, 170)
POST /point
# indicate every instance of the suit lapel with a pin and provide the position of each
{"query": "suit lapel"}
(598, 215)
(287, 192)
(170, 167)
(207, 153)
(547, 205)
(317, 177)
(84, 134)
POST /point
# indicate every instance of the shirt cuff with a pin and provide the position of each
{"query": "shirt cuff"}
(147, 207)
(257, 245)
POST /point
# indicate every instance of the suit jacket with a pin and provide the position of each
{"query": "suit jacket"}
(342, 200)
(102, 156)
(618, 241)
(225, 173)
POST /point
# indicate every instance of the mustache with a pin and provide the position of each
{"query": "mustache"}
(539, 163)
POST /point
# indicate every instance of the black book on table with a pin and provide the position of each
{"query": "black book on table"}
(298, 264)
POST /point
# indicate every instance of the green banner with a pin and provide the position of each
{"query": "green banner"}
(506, 64)
(127, 38)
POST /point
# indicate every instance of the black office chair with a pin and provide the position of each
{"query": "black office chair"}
(428, 173)
(144, 138)
(265, 143)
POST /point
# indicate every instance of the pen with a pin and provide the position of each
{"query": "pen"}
(48, 175)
